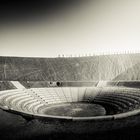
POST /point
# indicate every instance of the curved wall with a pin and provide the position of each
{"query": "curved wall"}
(31, 101)
(72, 124)
(93, 68)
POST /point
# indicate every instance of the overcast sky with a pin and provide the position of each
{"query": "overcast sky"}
(98, 26)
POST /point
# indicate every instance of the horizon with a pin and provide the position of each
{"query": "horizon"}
(78, 55)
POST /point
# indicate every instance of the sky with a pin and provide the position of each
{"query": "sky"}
(98, 26)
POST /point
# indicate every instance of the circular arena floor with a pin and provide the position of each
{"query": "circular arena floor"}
(75, 110)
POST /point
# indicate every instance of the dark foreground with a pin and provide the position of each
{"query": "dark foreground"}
(16, 127)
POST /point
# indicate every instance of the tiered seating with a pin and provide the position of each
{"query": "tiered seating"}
(90, 94)
(19, 100)
(121, 106)
(49, 95)
(59, 95)
(36, 100)
(7, 97)
(125, 99)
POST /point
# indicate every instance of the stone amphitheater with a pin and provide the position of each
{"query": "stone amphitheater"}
(113, 104)
(53, 109)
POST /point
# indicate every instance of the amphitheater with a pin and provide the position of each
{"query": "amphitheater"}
(89, 98)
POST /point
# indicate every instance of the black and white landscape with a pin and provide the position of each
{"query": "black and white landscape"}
(69, 69)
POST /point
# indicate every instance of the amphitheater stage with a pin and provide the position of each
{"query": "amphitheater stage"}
(75, 110)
